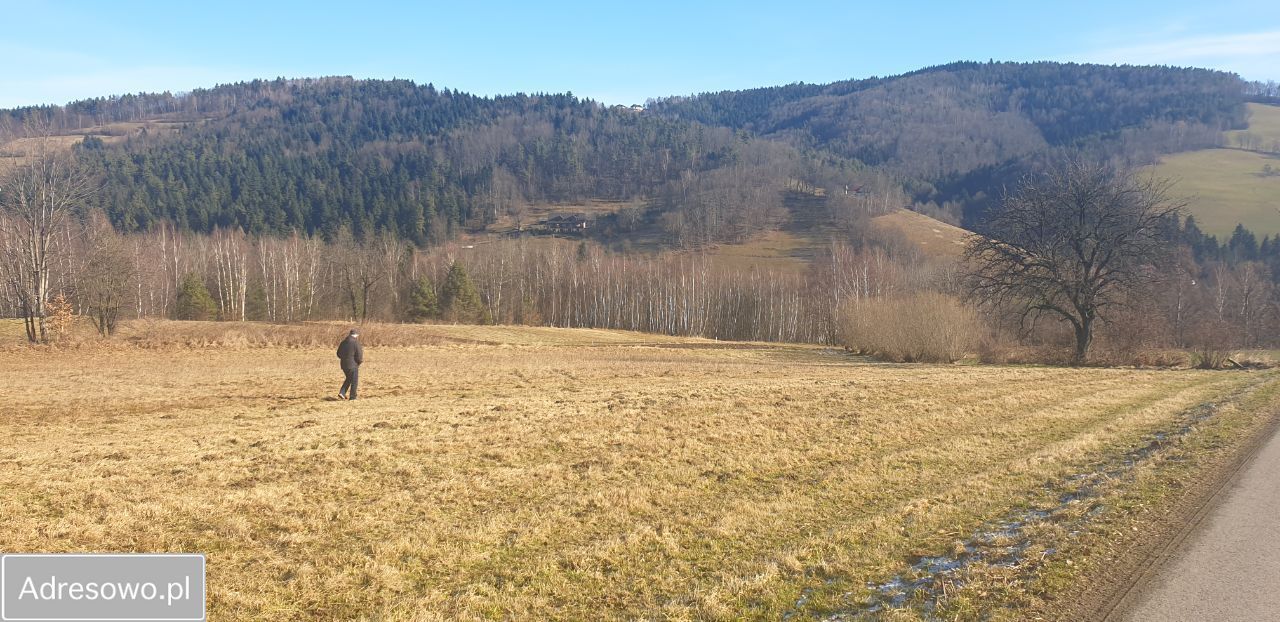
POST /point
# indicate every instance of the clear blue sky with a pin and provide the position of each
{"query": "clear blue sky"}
(613, 51)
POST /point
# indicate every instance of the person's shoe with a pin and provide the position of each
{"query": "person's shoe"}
(341, 396)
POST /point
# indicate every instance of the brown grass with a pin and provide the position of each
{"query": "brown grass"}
(934, 238)
(169, 334)
(782, 251)
(557, 475)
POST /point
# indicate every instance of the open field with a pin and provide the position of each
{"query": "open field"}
(934, 238)
(514, 473)
(1264, 128)
(784, 251)
(1226, 187)
(794, 250)
(535, 213)
(14, 152)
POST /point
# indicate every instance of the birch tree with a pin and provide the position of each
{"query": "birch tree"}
(37, 200)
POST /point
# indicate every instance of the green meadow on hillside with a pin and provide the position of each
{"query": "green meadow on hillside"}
(1230, 186)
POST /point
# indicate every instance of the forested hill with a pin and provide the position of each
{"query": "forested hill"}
(962, 129)
(323, 154)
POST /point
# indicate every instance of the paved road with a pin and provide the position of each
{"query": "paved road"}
(1229, 568)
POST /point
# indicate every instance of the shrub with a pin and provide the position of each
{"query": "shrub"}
(1211, 345)
(926, 327)
(1208, 357)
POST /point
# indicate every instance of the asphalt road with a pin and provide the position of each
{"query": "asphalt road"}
(1229, 567)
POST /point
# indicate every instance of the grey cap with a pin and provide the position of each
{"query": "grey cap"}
(354, 333)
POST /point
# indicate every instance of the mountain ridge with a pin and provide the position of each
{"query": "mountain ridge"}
(333, 153)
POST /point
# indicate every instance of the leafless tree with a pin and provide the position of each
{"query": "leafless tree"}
(108, 273)
(360, 269)
(37, 198)
(1070, 243)
(231, 272)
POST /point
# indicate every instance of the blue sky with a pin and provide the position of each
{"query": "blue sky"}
(613, 51)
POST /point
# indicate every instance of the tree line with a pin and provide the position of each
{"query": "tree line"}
(1220, 302)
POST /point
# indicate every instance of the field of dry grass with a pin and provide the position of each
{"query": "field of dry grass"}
(934, 238)
(782, 251)
(514, 473)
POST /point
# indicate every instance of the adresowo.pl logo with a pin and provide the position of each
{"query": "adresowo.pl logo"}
(102, 587)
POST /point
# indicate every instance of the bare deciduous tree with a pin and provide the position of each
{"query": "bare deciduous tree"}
(36, 200)
(360, 268)
(108, 273)
(1070, 243)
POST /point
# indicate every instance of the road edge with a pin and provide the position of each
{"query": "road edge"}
(1110, 595)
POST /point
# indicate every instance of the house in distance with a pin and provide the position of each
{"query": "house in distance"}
(572, 223)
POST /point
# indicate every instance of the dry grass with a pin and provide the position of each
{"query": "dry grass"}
(13, 153)
(578, 475)
(169, 334)
(934, 238)
(783, 251)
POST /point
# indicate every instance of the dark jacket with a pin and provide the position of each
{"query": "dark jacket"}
(350, 353)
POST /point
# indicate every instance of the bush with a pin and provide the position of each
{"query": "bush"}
(1209, 357)
(1211, 344)
(921, 328)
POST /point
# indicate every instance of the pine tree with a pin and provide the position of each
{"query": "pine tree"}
(255, 304)
(194, 301)
(459, 299)
(422, 301)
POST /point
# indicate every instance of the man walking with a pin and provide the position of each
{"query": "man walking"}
(350, 355)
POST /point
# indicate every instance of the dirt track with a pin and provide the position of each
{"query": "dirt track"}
(1228, 568)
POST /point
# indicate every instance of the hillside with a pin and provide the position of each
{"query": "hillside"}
(1228, 186)
(933, 238)
(957, 132)
(1262, 132)
(426, 164)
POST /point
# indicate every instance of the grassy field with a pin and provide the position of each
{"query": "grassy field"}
(934, 238)
(794, 251)
(785, 251)
(1264, 124)
(513, 473)
(14, 152)
(1226, 187)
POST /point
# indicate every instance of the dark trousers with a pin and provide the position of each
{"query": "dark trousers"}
(353, 379)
